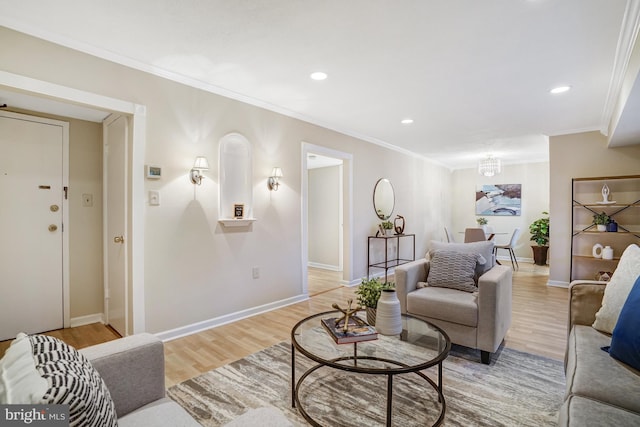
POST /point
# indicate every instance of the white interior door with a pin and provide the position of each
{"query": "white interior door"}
(116, 134)
(33, 176)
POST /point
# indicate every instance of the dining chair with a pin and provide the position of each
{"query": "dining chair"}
(474, 235)
(449, 235)
(509, 246)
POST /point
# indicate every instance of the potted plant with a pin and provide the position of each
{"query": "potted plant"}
(539, 230)
(368, 294)
(482, 222)
(601, 220)
(387, 226)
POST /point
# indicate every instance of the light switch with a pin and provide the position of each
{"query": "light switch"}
(154, 198)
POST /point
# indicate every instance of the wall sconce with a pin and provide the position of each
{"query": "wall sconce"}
(201, 164)
(274, 179)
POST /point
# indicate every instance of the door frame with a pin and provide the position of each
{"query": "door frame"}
(135, 230)
(66, 310)
(347, 208)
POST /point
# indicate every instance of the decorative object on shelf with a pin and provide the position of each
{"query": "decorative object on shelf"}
(387, 228)
(274, 180)
(600, 220)
(200, 164)
(539, 230)
(612, 226)
(489, 166)
(347, 313)
(388, 315)
(596, 251)
(238, 211)
(603, 276)
(368, 294)
(605, 196)
(607, 253)
(399, 228)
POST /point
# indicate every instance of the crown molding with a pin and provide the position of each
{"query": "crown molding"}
(626, 41)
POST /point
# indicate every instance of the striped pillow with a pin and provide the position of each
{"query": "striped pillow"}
(72, 380)
(455, 270)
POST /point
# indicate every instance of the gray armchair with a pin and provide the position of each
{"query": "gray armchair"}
(479, 319)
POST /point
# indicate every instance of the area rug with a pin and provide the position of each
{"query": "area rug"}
(516, 389)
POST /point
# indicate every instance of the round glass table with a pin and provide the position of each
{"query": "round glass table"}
(421, 345)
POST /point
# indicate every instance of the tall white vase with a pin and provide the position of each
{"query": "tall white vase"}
(388, 315)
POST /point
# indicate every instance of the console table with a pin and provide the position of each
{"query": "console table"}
(390, 262)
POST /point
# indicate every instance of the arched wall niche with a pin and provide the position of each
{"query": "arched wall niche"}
(236, 180)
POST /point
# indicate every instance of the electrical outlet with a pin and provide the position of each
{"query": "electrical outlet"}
(256, 272)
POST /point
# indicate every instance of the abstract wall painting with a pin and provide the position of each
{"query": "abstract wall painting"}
(499, 200)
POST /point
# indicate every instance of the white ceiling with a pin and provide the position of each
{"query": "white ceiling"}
(473, 75)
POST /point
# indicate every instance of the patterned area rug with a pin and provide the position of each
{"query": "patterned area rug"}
(517, 389)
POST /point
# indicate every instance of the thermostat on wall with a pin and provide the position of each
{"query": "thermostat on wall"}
(153, 172)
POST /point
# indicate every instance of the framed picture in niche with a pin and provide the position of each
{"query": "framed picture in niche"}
(238, 211)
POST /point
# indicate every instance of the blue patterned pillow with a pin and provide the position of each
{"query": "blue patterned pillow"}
(625, 341)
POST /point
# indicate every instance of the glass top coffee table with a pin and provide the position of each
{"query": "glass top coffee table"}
(421, 345)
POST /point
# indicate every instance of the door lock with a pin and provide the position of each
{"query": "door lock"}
(53, 227)
(118, 239)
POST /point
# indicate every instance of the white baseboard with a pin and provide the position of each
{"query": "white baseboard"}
(86, 320)
(324, 266)
(558, 284)
(227, 318)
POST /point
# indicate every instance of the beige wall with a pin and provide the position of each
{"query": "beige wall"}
(579, 155)
(85, 228)
(196, 270)
(534, 178)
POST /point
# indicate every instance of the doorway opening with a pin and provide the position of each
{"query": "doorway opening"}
(326, 219)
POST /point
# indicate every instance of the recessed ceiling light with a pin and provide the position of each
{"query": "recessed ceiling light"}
(318, 75)
(560, 89)
(406, 121)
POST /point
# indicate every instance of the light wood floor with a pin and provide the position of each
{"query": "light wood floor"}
(538, 325)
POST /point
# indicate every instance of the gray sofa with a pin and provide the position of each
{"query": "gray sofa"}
(133, 371)
(601, 391)
(478, 320)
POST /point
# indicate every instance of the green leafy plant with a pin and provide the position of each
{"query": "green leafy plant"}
(601, 219)
(482, 221)
(387, 225)
(369, 291)
(539, 230)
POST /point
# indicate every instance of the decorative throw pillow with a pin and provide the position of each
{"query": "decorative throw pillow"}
(617, 289)
(69, 379)
(625, 341)
(483, 248)
(451, 269)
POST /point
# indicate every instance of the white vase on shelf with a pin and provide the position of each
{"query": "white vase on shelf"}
(607, 252)
(388, 315)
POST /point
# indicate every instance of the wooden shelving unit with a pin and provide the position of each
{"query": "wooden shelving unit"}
(587, 200)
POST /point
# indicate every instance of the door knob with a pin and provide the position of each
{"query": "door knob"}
(118, 239)
(54, 208)
(53, 227)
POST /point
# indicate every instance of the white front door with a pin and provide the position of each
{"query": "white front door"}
(33, 176)
(116, 136)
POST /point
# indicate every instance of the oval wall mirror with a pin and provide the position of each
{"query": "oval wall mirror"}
(383, 199)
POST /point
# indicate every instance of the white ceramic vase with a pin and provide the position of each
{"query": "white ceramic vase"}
(388, 315)
(597, 250)
(607, 252)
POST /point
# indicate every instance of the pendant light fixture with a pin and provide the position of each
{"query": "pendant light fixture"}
(489, 166)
